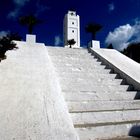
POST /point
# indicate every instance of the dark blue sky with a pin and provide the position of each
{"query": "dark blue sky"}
(111, 14)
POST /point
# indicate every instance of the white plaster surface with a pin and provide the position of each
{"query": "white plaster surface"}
(94, 44)
(128, 68)
(31, 104)
(30, 38)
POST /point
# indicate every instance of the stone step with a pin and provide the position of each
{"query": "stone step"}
(98, 82)
(86, 68)
(94, 89)
(93, 76)
(91, 64)
(74, 53)
(82, 71)
(81, 55)
(76, 58)
(71, 56)
(89, 96)
(98, 106)
(66, 51)
(107, 132)
(91, 119)
(52, 48)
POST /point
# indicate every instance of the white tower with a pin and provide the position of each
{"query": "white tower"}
(72, 28)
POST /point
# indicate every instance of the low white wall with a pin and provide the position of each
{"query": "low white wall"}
(64, 124)
(27, 44)
(126, 67)
(31, 103)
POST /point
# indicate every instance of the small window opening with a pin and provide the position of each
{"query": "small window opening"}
(72, 14)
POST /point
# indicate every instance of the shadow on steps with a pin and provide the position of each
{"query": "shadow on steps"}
(135, 131)
(137, 96)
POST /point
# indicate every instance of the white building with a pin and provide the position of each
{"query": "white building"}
(71, 28)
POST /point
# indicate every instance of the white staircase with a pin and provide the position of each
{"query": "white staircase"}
(101, 104)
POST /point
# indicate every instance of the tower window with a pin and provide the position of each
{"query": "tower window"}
(72, 14)
(73, 31)
(72, 22)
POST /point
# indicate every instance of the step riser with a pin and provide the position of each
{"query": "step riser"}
(104, 118)
(99, 81)
(72, 59)
(71, 54)
(68, 66)
(80, 81)
(106, 132)
(98, 97)
(97, 106)
(76, 74)
(96, 89)
(84, 71)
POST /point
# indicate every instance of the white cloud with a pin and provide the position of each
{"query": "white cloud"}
(137, 31)
(40, 8)
(124, 35)
(20, 2)
(111, 7)
(13, 14)
(18, 5)
(57, 40)
(3, 33)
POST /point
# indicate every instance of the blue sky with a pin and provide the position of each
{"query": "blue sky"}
(120, 19)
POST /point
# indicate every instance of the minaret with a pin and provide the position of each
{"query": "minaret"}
(71, 28)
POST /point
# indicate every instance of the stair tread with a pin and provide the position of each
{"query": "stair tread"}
(103, 81)
(97, 106)
(95, 89)
(105, 118)
(72, 74)
(89, 96)
(109, 132)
